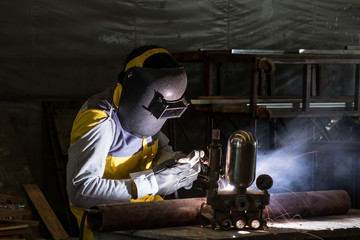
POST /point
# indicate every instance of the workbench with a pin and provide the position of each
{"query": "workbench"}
(326, 227)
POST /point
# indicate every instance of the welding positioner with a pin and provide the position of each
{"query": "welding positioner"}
(239, 208)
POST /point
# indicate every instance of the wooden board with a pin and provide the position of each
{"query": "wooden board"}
(9, 198)
(45, 211)
(12, 229)
(31, 223)
(12, 226)
(14, 232)
(4, 212)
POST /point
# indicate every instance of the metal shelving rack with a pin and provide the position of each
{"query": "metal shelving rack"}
(302, 106)
(311, 104)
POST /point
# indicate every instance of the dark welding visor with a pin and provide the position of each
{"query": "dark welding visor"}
(161, 108)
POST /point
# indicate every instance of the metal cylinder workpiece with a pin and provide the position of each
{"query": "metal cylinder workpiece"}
(241, 159)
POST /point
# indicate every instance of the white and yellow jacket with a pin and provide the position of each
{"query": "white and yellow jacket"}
(106, 164)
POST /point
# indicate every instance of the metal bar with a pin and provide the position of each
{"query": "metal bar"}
(253, 89)
(254, 82)
(207, 86)
(287, 113)
(219, 78)
(319, 78)
(257, 51)
(336, 146)
(185, 212)
(208, 128)
(318, 113)
(207, 77)
(194, 56)
(270, 84)
(306, 87)
(262, 99)
(261, 83)
(357, 88)
(272, 134)
(314, 59)
(291, 58)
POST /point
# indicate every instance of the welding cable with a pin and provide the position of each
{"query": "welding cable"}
(82, 223)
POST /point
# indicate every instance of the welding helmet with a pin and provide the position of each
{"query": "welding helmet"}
(151, 95)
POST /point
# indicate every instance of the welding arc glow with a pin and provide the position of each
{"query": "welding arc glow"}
(224, 185)
(228, 187)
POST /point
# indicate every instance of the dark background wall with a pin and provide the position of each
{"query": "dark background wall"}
(69, 50)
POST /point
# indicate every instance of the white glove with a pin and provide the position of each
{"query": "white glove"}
(194, 160)
(172, 174)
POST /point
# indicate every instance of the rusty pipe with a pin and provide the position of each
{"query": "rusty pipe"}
(307, 204)
(142, 215)
(182, 212)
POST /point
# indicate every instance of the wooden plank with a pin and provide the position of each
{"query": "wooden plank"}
(12, 226)
(4, 212)
(45, 211)
(31, 223)
(14, 232)
(9, 198)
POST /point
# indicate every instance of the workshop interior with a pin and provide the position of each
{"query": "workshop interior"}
(273, 89)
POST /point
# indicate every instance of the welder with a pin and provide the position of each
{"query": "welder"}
(117, 152)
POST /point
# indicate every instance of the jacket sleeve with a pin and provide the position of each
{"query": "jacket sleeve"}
(86, 164)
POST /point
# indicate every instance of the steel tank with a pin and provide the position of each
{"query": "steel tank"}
(241, 159)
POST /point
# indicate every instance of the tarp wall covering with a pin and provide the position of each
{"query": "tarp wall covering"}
(71, 48)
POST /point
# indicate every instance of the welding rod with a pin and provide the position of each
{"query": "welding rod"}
(186, 212)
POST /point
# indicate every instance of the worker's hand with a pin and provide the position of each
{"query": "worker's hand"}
(171, 175)
(193, 158)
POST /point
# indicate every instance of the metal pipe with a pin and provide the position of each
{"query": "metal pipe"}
(142, 215)
(307, 204)
(185, 212)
